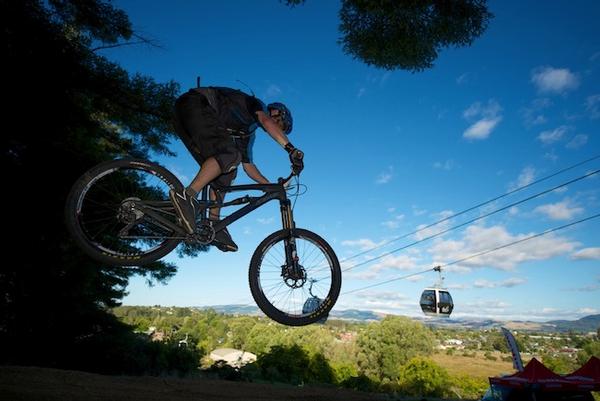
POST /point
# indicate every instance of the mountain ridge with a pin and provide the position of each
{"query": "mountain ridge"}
(589, 323)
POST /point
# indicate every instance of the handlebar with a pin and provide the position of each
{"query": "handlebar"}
(283, 181)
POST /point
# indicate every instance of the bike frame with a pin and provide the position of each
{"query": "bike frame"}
(272, 192)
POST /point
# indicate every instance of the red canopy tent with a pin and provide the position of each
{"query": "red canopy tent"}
(588, 375)
(536, 375)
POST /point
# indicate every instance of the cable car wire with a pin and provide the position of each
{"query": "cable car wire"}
(478, 254)
(471, 208)
(472, 220)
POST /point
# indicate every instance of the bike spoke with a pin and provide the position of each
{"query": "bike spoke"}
(281, 294)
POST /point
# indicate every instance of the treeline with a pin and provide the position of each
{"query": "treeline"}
(391, 355)
(561, 352)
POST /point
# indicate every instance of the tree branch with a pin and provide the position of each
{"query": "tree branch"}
(142, 40)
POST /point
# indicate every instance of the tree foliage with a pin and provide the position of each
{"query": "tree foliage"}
(385, 345)
(407, 34)
(69, 108)
(422, 377)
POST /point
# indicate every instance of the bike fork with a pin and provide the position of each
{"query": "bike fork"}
(287, 217)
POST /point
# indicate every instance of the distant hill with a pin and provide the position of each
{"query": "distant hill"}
(584, 325)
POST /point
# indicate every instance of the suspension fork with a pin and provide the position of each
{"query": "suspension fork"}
(287, 220)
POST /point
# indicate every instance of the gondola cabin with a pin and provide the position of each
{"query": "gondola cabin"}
(311, 305)
(436, 302)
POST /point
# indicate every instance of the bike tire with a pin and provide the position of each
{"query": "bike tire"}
(262, 299)
(85, 184)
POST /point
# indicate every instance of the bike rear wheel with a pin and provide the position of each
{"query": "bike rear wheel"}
(105, 212)
(302, 300)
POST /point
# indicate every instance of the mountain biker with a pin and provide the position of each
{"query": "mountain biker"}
(217, 125)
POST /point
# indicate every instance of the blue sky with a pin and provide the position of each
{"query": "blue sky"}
(390, 151)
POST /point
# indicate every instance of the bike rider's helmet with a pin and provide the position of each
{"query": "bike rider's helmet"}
(285, 116)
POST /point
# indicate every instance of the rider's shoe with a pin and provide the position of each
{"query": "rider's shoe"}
(224, 242)
(185, 206)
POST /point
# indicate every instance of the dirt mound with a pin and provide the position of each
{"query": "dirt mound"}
(37, 384)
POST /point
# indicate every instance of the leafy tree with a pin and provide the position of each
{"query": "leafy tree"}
(69, 109)
(468, 387)
(407, 34)
(422, 377)
(319, 370)
(239, 329)
(561, 364)
(386, 345)
(590, 349)
(284, 364)
(262, 337)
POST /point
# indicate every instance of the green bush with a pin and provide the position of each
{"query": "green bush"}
(422, 377)
(468, 387)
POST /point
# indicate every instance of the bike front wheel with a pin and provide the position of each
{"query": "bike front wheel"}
(304, 298)
(119, 212)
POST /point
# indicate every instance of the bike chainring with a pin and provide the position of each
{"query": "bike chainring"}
(205, 233)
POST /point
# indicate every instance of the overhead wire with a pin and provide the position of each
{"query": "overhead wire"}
(477, 254)
(471, 208)
(472, 220)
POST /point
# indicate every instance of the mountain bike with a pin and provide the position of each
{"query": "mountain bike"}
(119, 213)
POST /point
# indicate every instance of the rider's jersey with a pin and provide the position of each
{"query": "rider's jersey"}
(236, 111)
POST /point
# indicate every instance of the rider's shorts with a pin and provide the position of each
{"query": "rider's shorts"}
(197, 124)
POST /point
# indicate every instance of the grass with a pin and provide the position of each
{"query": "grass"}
(478, 367)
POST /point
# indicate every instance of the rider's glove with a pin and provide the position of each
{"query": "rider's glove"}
(296, 156)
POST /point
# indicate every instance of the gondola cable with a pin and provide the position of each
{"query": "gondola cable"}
(472, 220)
(477, 254)
(471, 208)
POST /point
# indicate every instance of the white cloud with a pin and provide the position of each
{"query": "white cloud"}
(592, 106)
(554, 80)
(564, 210)
(266, 221)
(485, 117)
(463, 79)
(394, 223)
(551, 136)
(385, 176)
(482, 128)
(587, 288)
(533, 114)
(401, 262)
(526, 177)
(586, 254)
(361, 92)
(477, 239)
(458, 287)
(501, 310)
(273, 91)
(363, 244)
(551, 156)
(418, 211)
(447, 165)
(508, 283)
(578, 141)
(423, 231)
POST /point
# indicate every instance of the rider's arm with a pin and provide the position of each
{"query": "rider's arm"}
(254, 173)
(272, 128)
